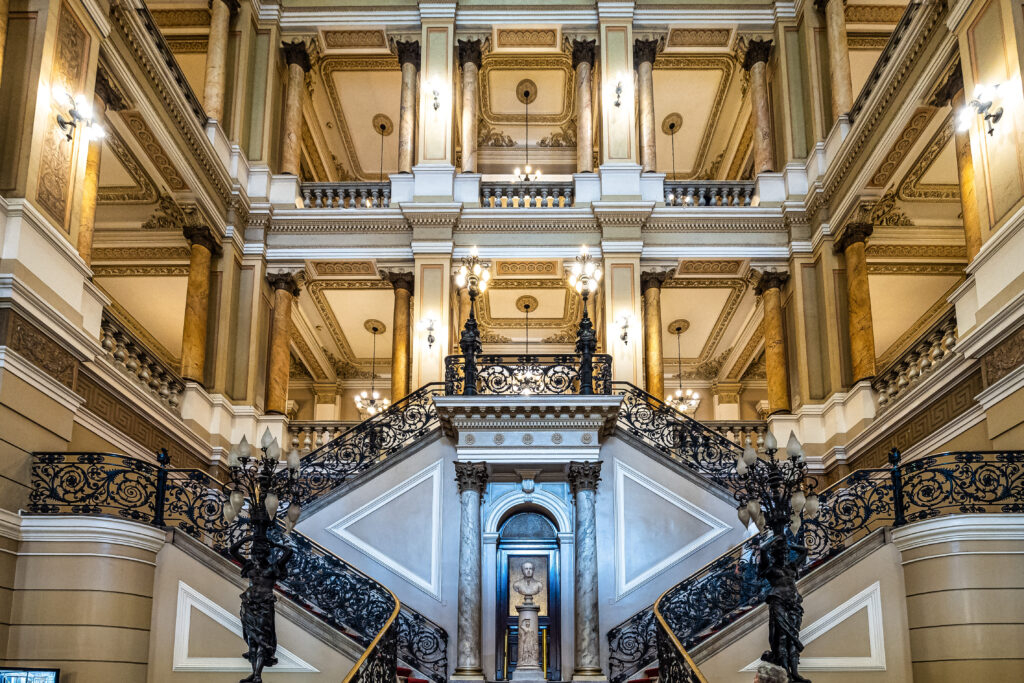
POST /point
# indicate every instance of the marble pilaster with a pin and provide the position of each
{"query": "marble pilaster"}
(285, 288)
(472, 480)
(858, 296)
(297, 59)
(756, 63)
(644, 53)
(583, 479)
(217, 56)
(583, 65)
(838, 55)
(197, 302)
(469, 59)
(402, 282)
(409, 59)
(769, 288)
(650, 287)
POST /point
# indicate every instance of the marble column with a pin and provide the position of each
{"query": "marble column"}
(409, 59)
(583, 478)
(769, 288)
(858, 299)
(90, 187)
(472, 480)
(838, 55)
(756, 63)
(644, 52)
(583, 66)
(650, 287)
(217, 57)
(402, 282)
(285, 289)
(197, 302)
(297, 59)
(469, 59)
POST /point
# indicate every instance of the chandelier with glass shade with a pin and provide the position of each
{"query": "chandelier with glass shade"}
(370, 402)
(684, 400)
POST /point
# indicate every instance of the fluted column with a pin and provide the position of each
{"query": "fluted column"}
(469, 59)
(583, 66)
(769, 288)
(583, 478)
(838, 56)
(644, 52)
(650, 287)
(217, 56)
(756, 62)
(297, 59)
(400, 333)
(285, 289)
(409, 59)
(858, 298)
(197, 302)
(90, 185)
(472, 480)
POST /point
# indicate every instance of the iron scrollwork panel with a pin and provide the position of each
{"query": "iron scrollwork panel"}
(93, 484)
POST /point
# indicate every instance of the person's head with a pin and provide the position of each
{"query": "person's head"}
(527, 570)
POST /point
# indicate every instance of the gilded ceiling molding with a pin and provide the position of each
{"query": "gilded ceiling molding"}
(342, 225)
(723, 63)
(873, 14)
(866, 41)
(307, 357)
(188, 45)
(533, 38)
(171, 216)
(755, 341)
(706, 370)
(916, 269)
(141, 270)
(911, 188)
(565, 136)
(737, 285)
(179, 18)
(709, 267)
(355, 39)
(520, 62)
(348, 365)
(489, 136)
(142, 192)
(944, 251)
(345, 268)
(100, 254)
(137, 125)
(699, 37)
(518, 268)
(908, 136)
(886, 213)
(571, 313)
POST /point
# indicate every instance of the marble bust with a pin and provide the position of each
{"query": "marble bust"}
(527, 586)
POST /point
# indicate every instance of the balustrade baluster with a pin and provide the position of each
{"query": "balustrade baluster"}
(487, 198)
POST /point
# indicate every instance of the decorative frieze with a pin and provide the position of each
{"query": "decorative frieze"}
(699, 37)
(1006, 357)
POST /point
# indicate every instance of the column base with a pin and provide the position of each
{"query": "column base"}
(593, 675)
(464, 675)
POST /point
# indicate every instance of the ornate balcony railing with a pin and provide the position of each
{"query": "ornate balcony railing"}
(132, 357)
(849, 510)
(536, 194)
(541, 374)
(709, 193)
(309, 435)
(346, 195)
(930, 351)
(192, 502)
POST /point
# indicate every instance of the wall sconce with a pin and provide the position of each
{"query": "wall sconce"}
(79, 113)
(981, 105)
(618, 94)
(624, 325)
(437, 99)
(428, 326)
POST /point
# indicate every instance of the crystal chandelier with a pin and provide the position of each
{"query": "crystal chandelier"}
(684, 400)
(527, 374)
(526, 174)
(370, 402)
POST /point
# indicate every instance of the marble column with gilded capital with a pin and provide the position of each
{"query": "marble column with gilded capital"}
(769, 288)
(755, 62)
(654, 371)
(472, 480)
(401, 332)
(852, 243)
(286, 288)
(583, 52)
(203, 246)
(409, 59)
(583, 479)
(838, 55)
(469, 60)
(296, 56)
(644, 53)
(217, 57)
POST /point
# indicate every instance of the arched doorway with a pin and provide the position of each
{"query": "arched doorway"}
(528, 536)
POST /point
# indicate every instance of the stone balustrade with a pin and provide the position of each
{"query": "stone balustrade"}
(738, 431)
(709, 193)
(542, 194)
(346, 195)
(931, 350)
(132, 357)
(308, 436)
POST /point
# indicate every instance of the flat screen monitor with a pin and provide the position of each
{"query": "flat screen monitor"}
(29, 675)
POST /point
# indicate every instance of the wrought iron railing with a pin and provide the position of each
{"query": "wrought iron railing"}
(133, 358)
(849, 510)
(538, 194)
(346, 195)
(932, 349)
(193, 502)
(540, 374)
(709, 193)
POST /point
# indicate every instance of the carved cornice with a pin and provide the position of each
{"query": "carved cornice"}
(471, 476)
(771, 279)
(470, 52)
(296, 52)
(408, 52)
(307, 357)
(757, 51)
(113, 97)
(143, 192)
(154, 150)
(896, 155)
(169, 215)
(583, 52)
(287, 280)
(584, 476)
(953, 84)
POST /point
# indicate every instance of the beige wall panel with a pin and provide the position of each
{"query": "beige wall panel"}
(116, 551)
(88, 672)
(996, 670)
(84, 573)
(1000, 606)
(77, 643)
(97, 608)
(954, 547)
(964, 571)
(967, 642)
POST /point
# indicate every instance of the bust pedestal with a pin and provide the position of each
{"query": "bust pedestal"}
(528, 659)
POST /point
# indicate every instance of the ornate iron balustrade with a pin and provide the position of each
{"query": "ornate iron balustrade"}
(709, 193)
(368, 443)
(537, 194)
(309, 435)
(346, 195)
(132, 357)
(931, 350)
(511, 374)
(192, 501)
(849, 510)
